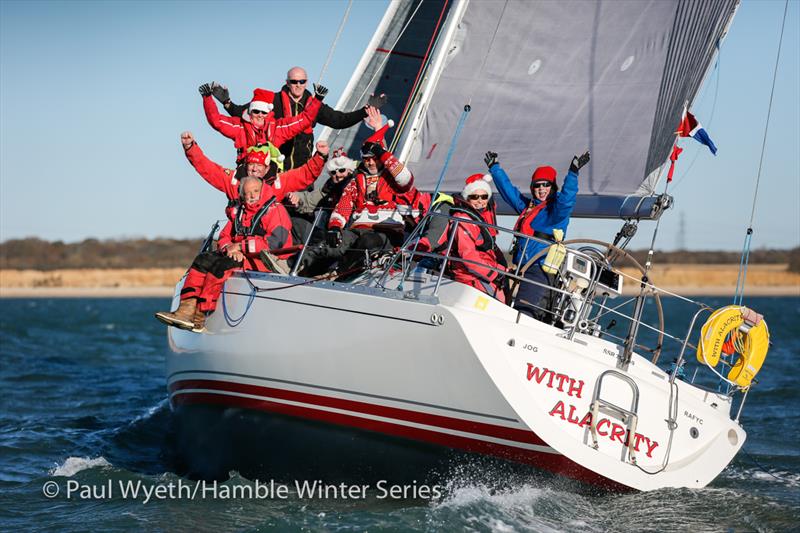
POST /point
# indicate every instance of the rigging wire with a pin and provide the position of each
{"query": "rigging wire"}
(335, 41)
(710, 118)
(740, 280)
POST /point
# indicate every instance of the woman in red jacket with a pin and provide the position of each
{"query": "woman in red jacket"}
(474, 243)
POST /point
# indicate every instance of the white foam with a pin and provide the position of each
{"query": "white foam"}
(73, 465)
(462, 496)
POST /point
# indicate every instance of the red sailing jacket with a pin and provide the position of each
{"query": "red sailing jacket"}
(384, 199)
(245, 135)
(274, 231)
(470, 244)
(224, 180)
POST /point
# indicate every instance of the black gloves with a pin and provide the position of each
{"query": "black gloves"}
(334, 237)
(376, 101)
(205, 90)
(490, 159)
(320, 91)
(220, 92)
(578, 162)
(373, 148)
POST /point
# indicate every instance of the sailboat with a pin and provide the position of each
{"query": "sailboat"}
(403, 352)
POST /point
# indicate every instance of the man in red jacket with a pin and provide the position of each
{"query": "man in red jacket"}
(376, 206)
(258, 165)
(258, 223)
(258, 124)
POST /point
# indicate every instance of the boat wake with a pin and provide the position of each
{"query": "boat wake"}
(73, 465)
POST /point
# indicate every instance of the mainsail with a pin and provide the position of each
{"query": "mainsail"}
(545, 80)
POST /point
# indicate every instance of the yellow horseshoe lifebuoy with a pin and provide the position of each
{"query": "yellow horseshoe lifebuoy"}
(750, 339)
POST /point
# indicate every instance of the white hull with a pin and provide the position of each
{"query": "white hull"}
(457, 371)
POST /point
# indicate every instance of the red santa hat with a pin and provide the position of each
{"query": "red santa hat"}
(475, 183)
(378, 136)
(262, 100)
(544, 174)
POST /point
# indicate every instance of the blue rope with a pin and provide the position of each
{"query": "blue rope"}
(448, 157)
(452, 149)
(233, 322)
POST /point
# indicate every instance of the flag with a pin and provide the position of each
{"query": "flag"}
(676, 151)
(690, 127)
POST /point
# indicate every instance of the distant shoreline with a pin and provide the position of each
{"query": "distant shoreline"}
(685, 280)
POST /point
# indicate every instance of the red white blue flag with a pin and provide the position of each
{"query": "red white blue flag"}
(690, 127)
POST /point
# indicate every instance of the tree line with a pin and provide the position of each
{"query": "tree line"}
(38, 254)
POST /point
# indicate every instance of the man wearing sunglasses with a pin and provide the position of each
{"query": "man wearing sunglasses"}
(376, 206)
(303, 205)
(291, 101)
(547, 210)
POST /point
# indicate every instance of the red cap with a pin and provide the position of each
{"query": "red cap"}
(544, 174)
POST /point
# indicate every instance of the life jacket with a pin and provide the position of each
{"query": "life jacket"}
(525, 219)
(487, 239)
(254, 229)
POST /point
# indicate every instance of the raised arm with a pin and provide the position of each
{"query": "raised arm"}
(230, 127)
(510, 194)
(300, 178)
(565, 200)
(215, 175)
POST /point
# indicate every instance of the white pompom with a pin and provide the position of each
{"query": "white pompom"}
(487, 177)
(391, 123)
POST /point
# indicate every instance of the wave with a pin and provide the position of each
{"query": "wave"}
(73, 465)
(790, 479)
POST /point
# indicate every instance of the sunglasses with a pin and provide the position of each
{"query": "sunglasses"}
(338, 171)
(258, 112)
(368, 158)
(297, 82)
(541, 185)
(478, 197)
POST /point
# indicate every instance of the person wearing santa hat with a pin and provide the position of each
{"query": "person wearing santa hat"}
(258, 124)
(547, 210)
(483, 261)
(290, 101)
(376, 205)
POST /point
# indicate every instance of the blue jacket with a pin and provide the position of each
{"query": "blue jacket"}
(554, 216)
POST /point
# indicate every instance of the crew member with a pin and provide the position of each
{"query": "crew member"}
(548, 209)
(259, 164)
(377, 205)
(291, 101)
(258, 125)
(257, 224)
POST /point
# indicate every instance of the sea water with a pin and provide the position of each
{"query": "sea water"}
(87, 444)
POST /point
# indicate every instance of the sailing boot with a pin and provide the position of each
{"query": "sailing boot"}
(199, 321)
(183, 317)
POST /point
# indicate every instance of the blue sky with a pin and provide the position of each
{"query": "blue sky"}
(94, 95)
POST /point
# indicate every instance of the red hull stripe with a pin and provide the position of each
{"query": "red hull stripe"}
(555, 463)
(457, 424)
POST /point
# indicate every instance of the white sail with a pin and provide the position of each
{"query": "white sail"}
(546, 80)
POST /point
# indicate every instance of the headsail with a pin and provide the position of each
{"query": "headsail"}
(549, 79)
(394, 63)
